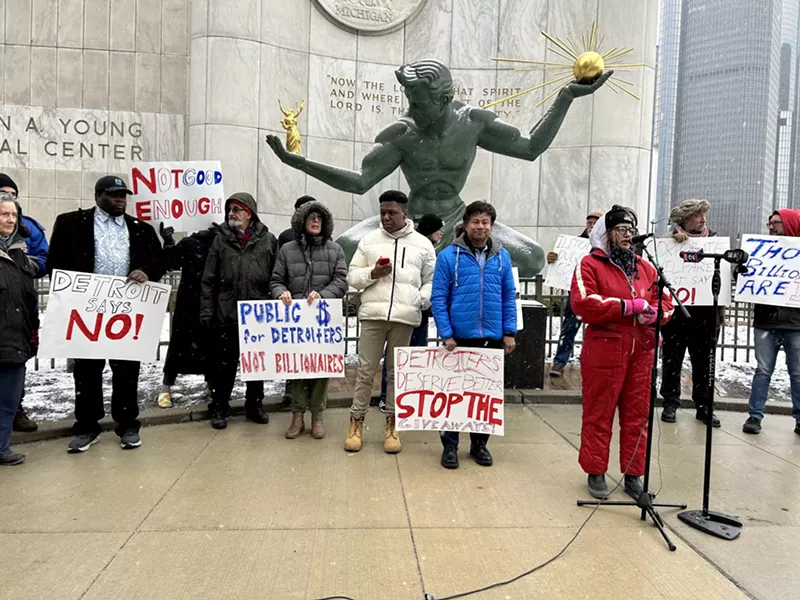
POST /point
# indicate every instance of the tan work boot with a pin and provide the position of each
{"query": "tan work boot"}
(296, 427)
(391, 441)
(353, 441)
(317, 428)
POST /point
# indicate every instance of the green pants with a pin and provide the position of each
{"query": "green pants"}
(310, 394)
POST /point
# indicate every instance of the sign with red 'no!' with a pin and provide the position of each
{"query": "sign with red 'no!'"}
(185, 195)
(439, 390)
(100, 316)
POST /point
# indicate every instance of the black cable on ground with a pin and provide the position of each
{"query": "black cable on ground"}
(428, 596)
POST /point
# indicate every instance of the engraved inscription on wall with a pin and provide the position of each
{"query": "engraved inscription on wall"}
(370, 16)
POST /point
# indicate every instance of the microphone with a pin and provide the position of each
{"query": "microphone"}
(692, 256)
(638, 239)
(735, 256)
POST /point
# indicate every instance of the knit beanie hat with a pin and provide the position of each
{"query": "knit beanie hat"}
(620, 214)
(6, 181)
(429, 224)
(687, 208)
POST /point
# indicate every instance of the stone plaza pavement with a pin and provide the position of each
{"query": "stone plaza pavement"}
(245, 513)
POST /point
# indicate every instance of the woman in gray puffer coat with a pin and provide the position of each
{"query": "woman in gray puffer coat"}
(313, 267)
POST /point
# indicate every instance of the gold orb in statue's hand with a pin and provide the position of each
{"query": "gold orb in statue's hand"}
(588, 67)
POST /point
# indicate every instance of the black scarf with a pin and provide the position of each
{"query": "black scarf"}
(624, 259)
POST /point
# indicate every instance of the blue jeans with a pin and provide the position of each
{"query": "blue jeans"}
(570, 324)
(12, 380)
(767, 342)
(419, 337)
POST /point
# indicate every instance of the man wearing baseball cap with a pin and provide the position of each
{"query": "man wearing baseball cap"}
(106, 241)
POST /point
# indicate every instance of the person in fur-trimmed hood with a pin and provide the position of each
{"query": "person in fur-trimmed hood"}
(698, 334)
(311, 267)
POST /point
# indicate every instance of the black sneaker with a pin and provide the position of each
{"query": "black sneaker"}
(130, 440)
(382, 405)
(753, 425)
(256, 414)
(481, 455)
(633, 486)
(218, 420)
(797, 427)
(701, 413)
(450, 457)
(669, 414)
(597, 486)
(81, 443)
(9, 459)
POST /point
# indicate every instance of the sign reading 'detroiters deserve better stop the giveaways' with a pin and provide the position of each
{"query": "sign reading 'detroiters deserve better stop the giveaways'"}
(299, 341)
(460, 390)
(99, 316)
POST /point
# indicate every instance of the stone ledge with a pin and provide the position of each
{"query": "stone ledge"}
(159, 416)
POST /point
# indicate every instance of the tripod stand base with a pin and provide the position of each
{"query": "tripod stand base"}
(713, 523)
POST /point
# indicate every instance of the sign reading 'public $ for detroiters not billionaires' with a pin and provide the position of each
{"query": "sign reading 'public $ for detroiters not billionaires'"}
(185, 195)
(100, 316)
(773, 270)
(439, 390)
(299, 341)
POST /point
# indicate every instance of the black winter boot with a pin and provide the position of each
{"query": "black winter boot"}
(597, 486)
(256, 414)
(633, 486)
(450, 457)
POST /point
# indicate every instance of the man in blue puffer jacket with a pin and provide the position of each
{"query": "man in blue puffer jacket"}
(474, 305)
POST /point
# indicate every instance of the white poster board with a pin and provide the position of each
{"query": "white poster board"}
(518, 287)
(773, 270)
(100, 316)
(692, 280)
(185, 195)
(439, 390)
(299, 341)
(570, 249)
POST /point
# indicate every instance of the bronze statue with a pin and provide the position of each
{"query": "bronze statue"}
(435, 145)
(289, 123)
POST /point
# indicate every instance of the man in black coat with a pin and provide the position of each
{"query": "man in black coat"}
(106, 241)
(188, 340)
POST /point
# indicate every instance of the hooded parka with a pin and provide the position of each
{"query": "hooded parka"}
(617, 355)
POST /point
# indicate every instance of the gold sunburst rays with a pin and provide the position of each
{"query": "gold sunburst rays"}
(585, 65)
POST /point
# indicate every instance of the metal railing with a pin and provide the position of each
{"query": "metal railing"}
(736, 338)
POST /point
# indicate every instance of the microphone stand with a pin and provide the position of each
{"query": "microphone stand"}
(645, 499)
(710, 522)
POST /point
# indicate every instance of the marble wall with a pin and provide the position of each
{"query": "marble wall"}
(248, 54)
(86, 88)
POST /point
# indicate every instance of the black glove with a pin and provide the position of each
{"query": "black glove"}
(166, 235)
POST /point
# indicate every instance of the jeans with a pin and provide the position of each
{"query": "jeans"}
(767, 342)
(419, 338)
(450, 438)
(12, 380)
(570, 324)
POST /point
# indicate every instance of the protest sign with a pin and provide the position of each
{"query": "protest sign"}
(518, 287)
(185, 195)
(773, 271)
(570, 250)
(692, 280)
(100, 316)
(299, 341)
(439, 390)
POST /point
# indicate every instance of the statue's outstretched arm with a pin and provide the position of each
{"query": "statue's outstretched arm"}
(506, 139)
(380, 161)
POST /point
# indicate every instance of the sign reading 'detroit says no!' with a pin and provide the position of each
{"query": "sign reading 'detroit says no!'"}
(449, 391)
(299, 341)
(570, 250)
(185, 195)
(99, 316)
(773, 270)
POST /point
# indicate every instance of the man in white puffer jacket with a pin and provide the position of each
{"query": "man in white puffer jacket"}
(393, 268)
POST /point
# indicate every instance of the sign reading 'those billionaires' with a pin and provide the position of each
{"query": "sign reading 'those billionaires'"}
(100, 316)
(185, 195)
(299, 341)
(692, 280)
(460, 390)
(773, 270)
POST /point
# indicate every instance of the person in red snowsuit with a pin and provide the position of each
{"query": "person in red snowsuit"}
(614, 292)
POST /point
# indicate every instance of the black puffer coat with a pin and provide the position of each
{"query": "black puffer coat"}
(233, 272)
(310, 263)
(19, 317)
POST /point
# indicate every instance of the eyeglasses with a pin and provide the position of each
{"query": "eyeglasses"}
(237, 209)
(626, 230)
(315, 217)
(773, 223)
